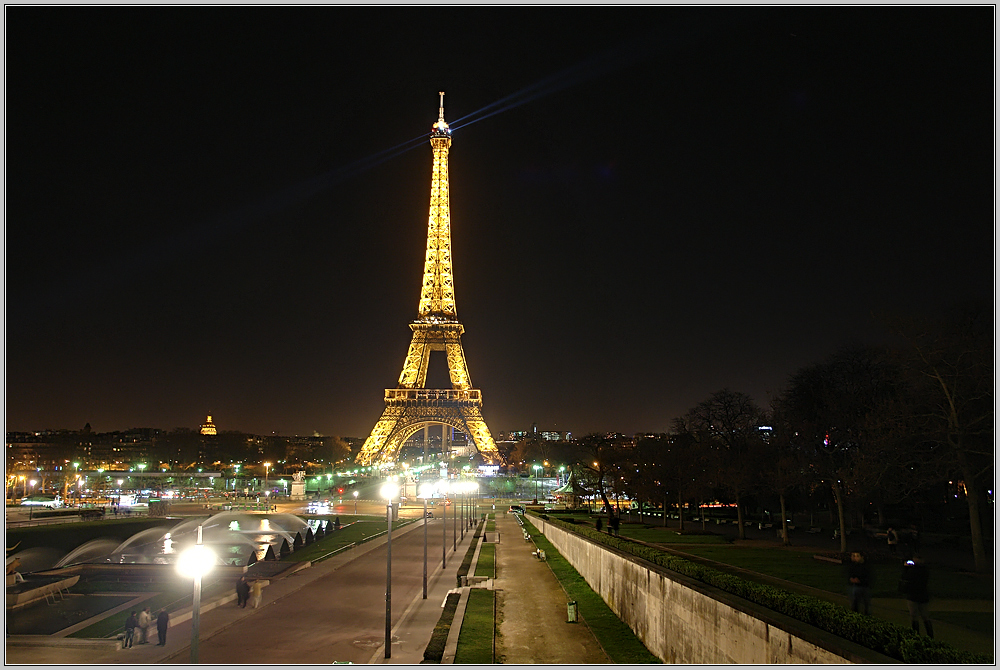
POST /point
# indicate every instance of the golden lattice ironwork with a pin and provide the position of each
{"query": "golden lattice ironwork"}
(411, 406)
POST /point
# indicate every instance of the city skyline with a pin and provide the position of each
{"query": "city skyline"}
(223, 210)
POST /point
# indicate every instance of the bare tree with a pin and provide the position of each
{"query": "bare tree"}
(730, 421)
(950, 363)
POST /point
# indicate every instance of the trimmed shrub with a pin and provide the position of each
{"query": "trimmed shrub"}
(439, 637)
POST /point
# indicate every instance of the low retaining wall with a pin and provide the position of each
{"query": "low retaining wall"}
(684, 621)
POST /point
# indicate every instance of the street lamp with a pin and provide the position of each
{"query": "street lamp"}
(388, 491)
(425, 492)
(195, 562)
(267, 467)
(355, 502)
(537, 468)
(442, 487)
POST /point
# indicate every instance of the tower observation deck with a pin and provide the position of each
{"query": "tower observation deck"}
(411, 406)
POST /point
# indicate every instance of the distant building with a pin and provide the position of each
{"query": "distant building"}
(208, 428)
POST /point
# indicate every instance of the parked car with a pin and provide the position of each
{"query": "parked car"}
(429, 514)
(517, 509)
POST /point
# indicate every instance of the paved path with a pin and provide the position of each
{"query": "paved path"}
(532, 607)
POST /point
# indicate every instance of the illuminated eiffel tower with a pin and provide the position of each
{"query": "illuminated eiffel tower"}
(411, 406)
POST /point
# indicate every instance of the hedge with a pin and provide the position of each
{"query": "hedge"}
(439, 637)
(884, 637)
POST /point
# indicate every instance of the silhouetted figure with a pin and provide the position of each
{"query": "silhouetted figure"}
(913, 585)
(130, 623)
(162, 621)
(615, 521)
(859, 578)
(892, 538)
(599, 524)
(242, 591)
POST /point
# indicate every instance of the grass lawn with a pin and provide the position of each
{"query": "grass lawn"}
(612, 633)
(668, 536)
(486, 566)
(475, 640)
(357, 532)
(800, 567)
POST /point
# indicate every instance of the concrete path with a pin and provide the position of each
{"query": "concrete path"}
(532, 607)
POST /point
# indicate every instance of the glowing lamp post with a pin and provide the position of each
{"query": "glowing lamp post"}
(388, 491)
(537, 468)
(196, 562)
(267, 468)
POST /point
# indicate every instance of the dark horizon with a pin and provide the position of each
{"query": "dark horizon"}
(206, 214)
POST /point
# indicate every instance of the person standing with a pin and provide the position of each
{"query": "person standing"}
(892, 537)
(242, 591)
(599, 524)
(130, 623)
(162, 621)
(913, 585)
(859, 578)
(145, 618)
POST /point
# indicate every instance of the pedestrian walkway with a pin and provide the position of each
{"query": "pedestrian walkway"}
(532, 607)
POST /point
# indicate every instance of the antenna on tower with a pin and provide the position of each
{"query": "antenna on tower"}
(441, 109)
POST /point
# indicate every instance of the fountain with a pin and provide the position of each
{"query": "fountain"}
(237, 538)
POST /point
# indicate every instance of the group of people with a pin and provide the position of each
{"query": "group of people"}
(137, 625)
(613, 524)
(913, 584)
(249, 592)
(142, 622)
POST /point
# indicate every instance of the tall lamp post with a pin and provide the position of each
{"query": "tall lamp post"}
(267, 468)
(389, 491)
(537, 468)
(443, 489)
(195, 563)
(425, 492)
(355, 502)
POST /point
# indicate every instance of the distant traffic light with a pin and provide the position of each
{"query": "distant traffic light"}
(340, 490)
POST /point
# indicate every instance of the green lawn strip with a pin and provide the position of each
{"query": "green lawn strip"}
(802, 568)
(357, 533)
(614, 635)
(475, 640)
(439, 636)
(486, 566)
(669, 536)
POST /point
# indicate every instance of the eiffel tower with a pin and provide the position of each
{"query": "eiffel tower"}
(411, 406)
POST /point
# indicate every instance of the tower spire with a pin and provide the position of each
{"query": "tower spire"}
(412, 406)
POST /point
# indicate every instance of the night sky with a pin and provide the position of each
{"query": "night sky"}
(224, 210)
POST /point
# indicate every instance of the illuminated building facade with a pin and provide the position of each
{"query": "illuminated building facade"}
(411, 406)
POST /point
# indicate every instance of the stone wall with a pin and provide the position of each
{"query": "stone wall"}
(684, 621)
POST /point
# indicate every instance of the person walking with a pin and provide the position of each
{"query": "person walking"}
(145, 618)
(242, 591)
(859, 578)
(130, 623)
(614, 523)
(162, 621)
(599, 524)
(257, 591)
(913, 584)
(892, 538)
